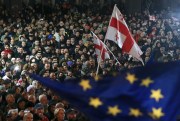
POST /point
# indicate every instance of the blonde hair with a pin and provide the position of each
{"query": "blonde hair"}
(57, 110)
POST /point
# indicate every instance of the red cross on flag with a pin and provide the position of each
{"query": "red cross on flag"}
(152, 18)
(100, 48)
(119, 33)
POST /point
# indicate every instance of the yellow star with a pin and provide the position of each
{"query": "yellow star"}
(135, 112)
(146, 82)
(95, 102)
(114, 110)
(131, 78)
(85, 84)
(156, 113)
(156, 94)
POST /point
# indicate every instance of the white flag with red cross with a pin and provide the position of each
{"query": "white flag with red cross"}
(119, 33)
(100, 48)
(152, 18)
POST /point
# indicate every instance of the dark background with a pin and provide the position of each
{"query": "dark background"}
(129, 6)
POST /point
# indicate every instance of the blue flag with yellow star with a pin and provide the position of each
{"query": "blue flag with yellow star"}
(149, 93)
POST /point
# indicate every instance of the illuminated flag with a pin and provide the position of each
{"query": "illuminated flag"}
(152, 17)
(149, 93)
(119, 33)
(100, 48)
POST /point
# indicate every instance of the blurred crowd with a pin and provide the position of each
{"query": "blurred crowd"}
(58, 44)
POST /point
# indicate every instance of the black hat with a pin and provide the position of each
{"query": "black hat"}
(21, 100)
(38, 106)
(71, 111)
(52, 102)
(29, 104)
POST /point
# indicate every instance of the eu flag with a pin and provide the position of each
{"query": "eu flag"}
(149, 93)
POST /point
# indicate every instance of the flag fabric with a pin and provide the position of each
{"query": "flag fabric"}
(100, 48)
(175, 19)
(119, 33)
(148, 93)
(152, 18)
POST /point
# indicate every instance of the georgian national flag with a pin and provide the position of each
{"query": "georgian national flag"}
(152, 17)
(119, 33)
(100, 48)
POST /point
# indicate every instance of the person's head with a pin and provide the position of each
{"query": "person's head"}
(78, 61)
(10, 99)
(71, 114)
(33, 51)
(72, 40)
(68, 42)
(2, 89)
(59, 105)
(57, 51)
(62, 51)
(59, 113)
(7, 84)
(77, 33)
(39, 109)
(51, 106)
(66, 55)
(27, 59)
(37, 42)
(32, 98)
(61, 23)
(20, 50)
(44, 60)
(23, 44)
(28, 116)
(17, 90)
(5, 40)
(92, 62)
(162, 50)
(158, 44)
(43, 99)
(31, 90)
(13, 113)
(21, 103)
(6, 47)
(3, 54)
(12, 41)
(52, 76)
(80, 42)
(47, 66)
(48, 49)
(65, 50)
(18, 60)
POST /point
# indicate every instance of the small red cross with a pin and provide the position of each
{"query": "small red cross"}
(117, 36)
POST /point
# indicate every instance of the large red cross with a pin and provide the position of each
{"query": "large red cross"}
(102, 50)
(128, 43)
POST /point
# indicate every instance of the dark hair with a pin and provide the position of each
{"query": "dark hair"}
(178, 118)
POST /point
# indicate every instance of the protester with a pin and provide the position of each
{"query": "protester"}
(60, 46)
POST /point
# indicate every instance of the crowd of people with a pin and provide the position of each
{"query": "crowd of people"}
(58, 44)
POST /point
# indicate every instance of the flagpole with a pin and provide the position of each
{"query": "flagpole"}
(99, 60)
(137, 50)
(113, 54)
(106, 40)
